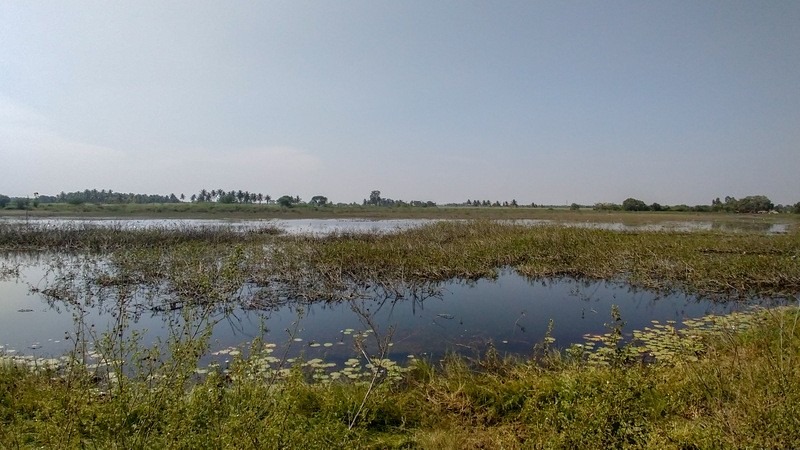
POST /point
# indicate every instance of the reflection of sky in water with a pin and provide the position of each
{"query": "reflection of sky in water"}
(511, 312)
(292, 226)
(329, 226)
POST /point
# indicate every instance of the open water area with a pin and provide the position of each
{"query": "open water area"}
(321, 227)
(510, 312)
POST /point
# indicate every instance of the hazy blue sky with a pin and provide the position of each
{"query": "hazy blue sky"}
(547, 102)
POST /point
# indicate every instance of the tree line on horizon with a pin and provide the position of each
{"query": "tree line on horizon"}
(748, 204)
(375, 199)
(239, 196)
(104, 196)
(86, 196)
(233, 196)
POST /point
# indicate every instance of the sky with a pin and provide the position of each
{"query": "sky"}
(551, 102)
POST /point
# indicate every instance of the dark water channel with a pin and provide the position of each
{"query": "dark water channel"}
(510, 312)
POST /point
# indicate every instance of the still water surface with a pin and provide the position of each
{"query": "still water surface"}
(511, 312)
(330, 226)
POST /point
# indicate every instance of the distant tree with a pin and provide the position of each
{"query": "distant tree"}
(656, 207)
(227, 198)
(286, 201)
(194, 198)
(730, 204)
(319, 200)
(607, 207)
(754, 204)
(183, 197)
(374, 198)
(4, 201)
(632, 204)
(574, 207)
(514, 202)
(796, 208)
(22, 203)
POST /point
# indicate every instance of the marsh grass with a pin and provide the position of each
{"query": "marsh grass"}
(706, 263)
(83, 237)
(725, 382)
(339, 266)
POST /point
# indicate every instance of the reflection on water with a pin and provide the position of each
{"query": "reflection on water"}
(511, 312)
(292, 226)
(670, 225)
(323, 227)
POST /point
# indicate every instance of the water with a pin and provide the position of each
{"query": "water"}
(291, 226)
(322, 227)
(510, 312)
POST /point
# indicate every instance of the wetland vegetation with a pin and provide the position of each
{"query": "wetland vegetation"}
(726, 381)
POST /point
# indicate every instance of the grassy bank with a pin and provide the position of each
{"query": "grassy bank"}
(728, 389)
(271, 211)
